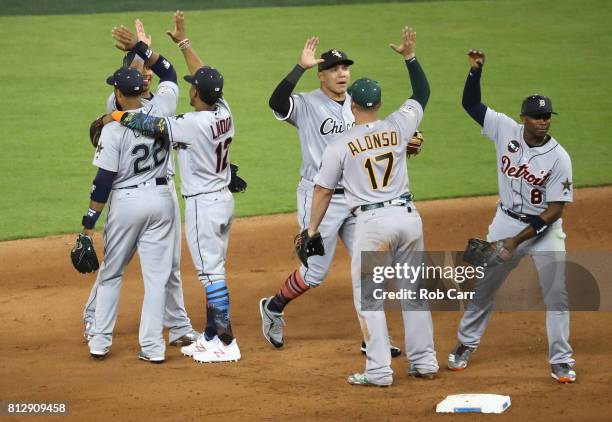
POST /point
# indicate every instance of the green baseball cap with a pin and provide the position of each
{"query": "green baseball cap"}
(365, 92)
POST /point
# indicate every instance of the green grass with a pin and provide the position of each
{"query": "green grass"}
(55, 66)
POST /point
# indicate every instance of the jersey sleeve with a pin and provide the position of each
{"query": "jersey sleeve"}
(407, 118)
(559, 187)
(330, 171)
(184, 128)
(297, 103)
(107, 153)
(497, 123)
(166, 98)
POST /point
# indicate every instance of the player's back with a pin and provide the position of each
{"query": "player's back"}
(373, 156)
(203, 139)
(135, 158)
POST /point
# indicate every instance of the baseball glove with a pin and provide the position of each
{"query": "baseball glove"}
(306, 246)
(481, 253)
(237, 183)
(83, 255)
(415, 144)
(95, 130)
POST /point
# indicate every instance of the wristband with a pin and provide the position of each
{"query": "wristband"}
(184, 44)
(538, 224)
(143, 50)
(89, 220)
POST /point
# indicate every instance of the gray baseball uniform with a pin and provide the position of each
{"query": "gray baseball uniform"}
(141, 214)
(528, 179)
(163, 103)
(370, 159)
(318, 119)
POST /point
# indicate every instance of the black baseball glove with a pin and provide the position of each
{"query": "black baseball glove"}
(306, 246)
(83, 255)
(237, 184)
(481, 253)
(95, 130)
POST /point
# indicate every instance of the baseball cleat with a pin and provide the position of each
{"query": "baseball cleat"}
(362, 380)
(186, 340)
(98, 354)
(414, 372)
(216, 351)
(153, 359)
(563, 373)
(459, 356)
(271, 323)
(198, 346)
(395, 351)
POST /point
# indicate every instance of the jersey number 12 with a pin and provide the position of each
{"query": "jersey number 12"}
(222, 150)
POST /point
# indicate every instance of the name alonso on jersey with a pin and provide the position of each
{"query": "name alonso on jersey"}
(373, 141)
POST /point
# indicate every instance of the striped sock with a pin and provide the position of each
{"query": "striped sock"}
(293, 287)
(218, 311)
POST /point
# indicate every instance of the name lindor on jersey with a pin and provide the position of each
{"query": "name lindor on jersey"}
(373, 141)
(221, 127)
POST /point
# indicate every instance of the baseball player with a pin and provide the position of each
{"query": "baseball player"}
(203, 138)
(132, 177)
(370, 159)
(318, 116)
(534, 175)
(163, 103)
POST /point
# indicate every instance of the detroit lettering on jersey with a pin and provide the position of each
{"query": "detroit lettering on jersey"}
(528, 177)
(373, 141)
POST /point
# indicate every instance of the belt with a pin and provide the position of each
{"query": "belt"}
(339, 191)
(158, 181)
(525, 218)
(397, 202)
(203, 193)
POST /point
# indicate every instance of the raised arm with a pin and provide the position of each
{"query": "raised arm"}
(127, 41)
(471, 92)
(179, 36)
(418, 80)
(280, 99)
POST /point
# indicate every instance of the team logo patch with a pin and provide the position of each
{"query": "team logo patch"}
(407, 110)
(513, 146)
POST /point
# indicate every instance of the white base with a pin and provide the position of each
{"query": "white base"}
(478, 403)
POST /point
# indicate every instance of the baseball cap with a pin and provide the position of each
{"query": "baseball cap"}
(365, 92)
(128, 80)
(332, 58)
(209, 83)
(537, 104)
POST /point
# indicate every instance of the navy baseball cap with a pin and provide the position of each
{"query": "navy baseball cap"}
(536, 104)
(127, 80)
(332, 58)
(209, 83)
(365, 92)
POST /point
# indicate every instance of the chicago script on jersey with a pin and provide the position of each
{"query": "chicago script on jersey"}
(329, 125)
(523, 172)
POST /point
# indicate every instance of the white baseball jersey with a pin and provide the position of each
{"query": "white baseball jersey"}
(203, 139)
(318, 119)
(528, 177)
(163, 104)
(135, 158)
(372, 158)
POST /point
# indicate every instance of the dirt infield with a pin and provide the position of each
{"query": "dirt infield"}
(44, 358)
